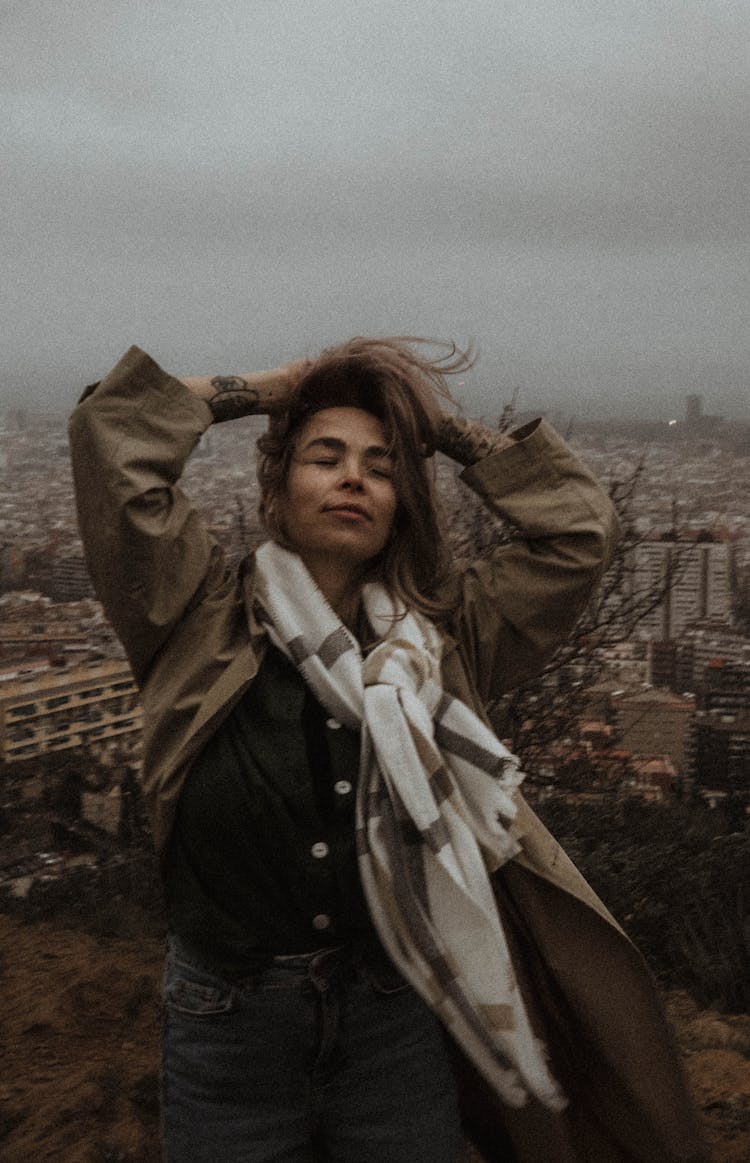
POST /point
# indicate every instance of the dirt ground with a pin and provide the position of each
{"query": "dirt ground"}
(79, 1033)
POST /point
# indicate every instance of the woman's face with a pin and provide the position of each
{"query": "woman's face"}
(340, 498)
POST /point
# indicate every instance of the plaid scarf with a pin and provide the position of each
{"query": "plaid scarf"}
(435, 801)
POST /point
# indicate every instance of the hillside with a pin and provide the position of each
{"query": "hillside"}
(79, 1036)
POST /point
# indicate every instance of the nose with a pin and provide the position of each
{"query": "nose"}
(352, 477)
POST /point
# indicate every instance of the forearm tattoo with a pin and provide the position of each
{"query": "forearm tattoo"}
(468, 441)
(234, 397)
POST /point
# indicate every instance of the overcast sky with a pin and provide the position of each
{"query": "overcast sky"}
(231, 184)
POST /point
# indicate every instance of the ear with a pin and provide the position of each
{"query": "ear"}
(271, 510)
(266, 509)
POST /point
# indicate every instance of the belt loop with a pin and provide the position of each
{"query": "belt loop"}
(328, 966)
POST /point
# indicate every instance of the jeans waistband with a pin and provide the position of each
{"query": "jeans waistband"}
(320, 966)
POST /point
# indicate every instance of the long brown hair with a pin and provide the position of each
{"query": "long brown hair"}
(402, 387)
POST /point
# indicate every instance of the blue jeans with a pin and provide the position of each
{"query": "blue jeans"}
(318, 1057)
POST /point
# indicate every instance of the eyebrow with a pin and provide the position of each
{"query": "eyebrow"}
(333, 444)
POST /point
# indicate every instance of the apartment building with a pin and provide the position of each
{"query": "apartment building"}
(722, 753)
(92, 706)
(653, 722)
(696, 577)
(682, 663)
(725, 687)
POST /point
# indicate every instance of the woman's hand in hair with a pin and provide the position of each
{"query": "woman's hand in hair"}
(468, 441)
(249, 394)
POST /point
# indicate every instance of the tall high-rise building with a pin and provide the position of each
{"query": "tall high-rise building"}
(693, 409)
(689, 581)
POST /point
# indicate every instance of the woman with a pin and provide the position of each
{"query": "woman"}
(373, 939)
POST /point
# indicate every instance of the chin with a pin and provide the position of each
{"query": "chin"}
(357, 556)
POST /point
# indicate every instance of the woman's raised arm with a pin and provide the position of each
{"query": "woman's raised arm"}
(518, 603)
(250, 394)
(149, 554)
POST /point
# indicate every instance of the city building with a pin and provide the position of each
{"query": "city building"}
(721, 730)
(680, 664)
(662, 666)
(625, 664)
(655, 778)
(693, 409)
(653, 722)
(689, 579)
(68, 579)
(722, 754)
(94, 707)
(725, 687)
(697, 423)
(32, 627)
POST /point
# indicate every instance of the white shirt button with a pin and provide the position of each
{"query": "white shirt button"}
(321, 921)
(319, 850)
(342, 787)
(332, 724)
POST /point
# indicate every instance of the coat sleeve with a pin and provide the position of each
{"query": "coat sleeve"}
(518, 604)
(149, 554)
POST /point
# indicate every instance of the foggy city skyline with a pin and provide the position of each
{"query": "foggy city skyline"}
(235, 186)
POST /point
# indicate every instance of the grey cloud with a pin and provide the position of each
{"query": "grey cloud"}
(566, 182)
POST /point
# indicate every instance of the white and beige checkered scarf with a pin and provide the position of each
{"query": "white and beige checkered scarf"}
(435, 800)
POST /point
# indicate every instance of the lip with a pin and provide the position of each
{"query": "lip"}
(353, 511)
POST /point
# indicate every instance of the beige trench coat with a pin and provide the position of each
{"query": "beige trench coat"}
(188, 625)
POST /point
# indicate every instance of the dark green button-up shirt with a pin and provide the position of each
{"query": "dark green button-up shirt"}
(261, 859)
